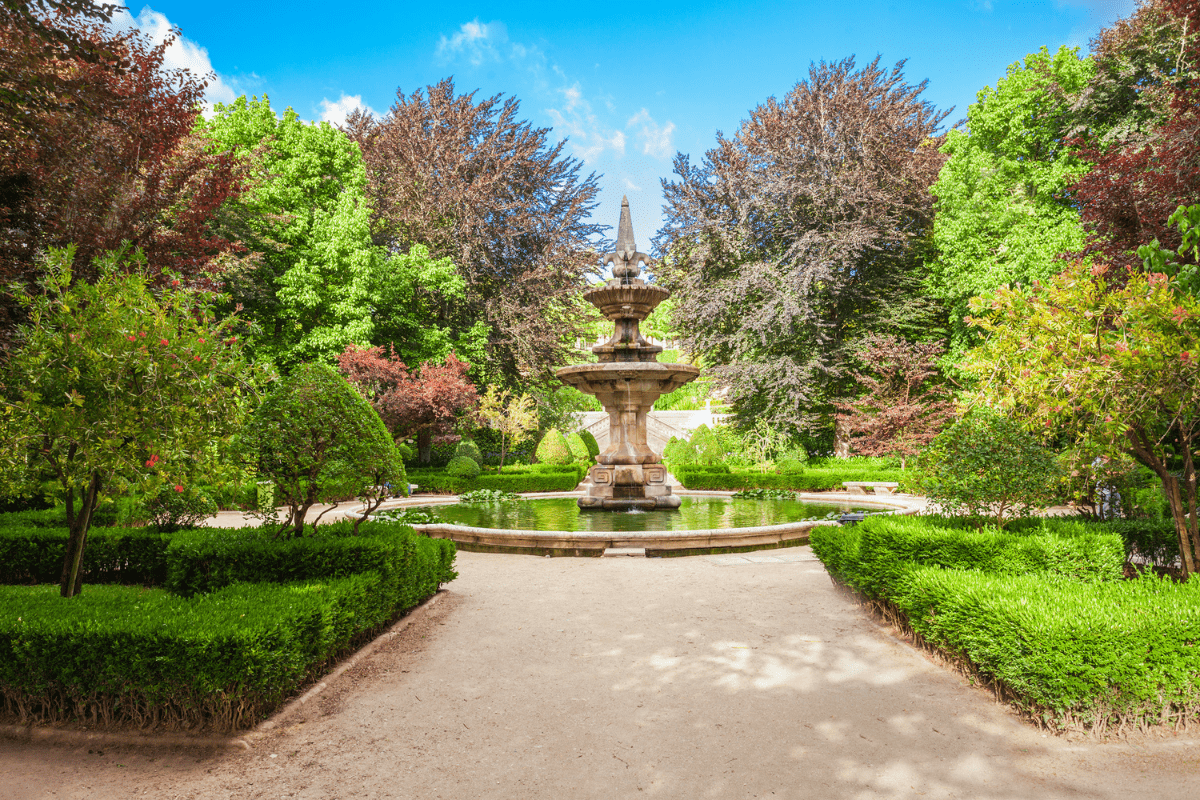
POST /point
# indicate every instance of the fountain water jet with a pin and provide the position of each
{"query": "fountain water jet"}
(627, 381)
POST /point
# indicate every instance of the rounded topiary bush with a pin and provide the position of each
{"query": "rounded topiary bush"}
(789, 465)
(553, 448)
(593, 447)
(579, 451)
(679, 453)
(707, 446)
(463, 467)
(469, 449)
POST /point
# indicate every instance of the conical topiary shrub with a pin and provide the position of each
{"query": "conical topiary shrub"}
(553, 448)
(593, 446)
(579, 451)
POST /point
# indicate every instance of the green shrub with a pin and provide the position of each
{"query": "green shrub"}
(463, 467)
(592, 445)
(987, 465)
(679, 453)
(440, 482)
(114, 555)
(789, 466)
(172, 510)
(147, 656)
(487, 496)
(810, 480)
(579, 450)
(764, 494)
(1091, 655)
(468, 449)
(411, 566)
(552, 449)
(318, 439)
(707, 446)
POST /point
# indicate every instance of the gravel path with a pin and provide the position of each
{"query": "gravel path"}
(703, 677)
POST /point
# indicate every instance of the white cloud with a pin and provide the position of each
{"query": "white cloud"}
(656, 140)
(479, 42)
(182, 53)
(336, 111)
(587, 137)
(631, 186)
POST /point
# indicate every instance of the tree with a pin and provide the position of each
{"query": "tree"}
(900, 412)
(113, 381)
(1142, 137)
(799, 235)
(320, 440)
(418, 404)
(1003, 213)
(987, 465)
(473, 183)
(1113, 363)
(106, 155)
(514, 418)
(317, 282)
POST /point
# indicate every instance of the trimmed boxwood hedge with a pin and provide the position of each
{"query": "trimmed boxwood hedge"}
(810, 480)
(1040, 610)
(243, 621)
(549, 478)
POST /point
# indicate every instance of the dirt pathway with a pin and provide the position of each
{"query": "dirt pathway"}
(703, 677)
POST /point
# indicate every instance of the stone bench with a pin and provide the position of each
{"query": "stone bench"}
(878, 487)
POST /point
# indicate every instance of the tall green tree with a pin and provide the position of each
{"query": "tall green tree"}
(317, 283)
(1003, 210)
(115, 381)
(802, 233)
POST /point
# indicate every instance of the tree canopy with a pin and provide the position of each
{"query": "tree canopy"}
(800, 234)
(471, 182)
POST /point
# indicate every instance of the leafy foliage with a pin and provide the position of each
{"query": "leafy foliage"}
(317, 282)
(487, 496)
(463, 467)
(1111, 364)
(471, 182)
(552, 449)
(514, 418)
(801, 233)
(900, 412)
(105, 388)
(986, 465)
(319, 441)
(97, 149)
(419, 404)
(1003, 209)
(173, 509)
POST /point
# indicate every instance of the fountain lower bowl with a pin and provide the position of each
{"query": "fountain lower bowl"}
(654, 543)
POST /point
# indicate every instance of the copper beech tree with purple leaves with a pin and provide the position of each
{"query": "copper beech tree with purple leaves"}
(419, 404)
(903, 407)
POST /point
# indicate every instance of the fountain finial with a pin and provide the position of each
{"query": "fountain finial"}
(626, 258)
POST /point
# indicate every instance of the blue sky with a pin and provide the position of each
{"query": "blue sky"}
(628, 84)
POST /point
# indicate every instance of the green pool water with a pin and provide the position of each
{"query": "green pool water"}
(696, 513)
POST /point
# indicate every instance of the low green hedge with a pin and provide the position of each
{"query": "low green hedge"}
(244, 619)
(412, 566)
(875, 556)
(148, 656)
(113, 555)
(564, 479)
(1095, 656)
(1040, 609)
(810, 480)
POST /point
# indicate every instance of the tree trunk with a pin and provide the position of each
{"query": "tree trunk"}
(425, 447)
(1179, 516)
(71, 582)
(503, 452)
(841, 440)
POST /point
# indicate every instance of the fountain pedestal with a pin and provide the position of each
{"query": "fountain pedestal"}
(627, 381)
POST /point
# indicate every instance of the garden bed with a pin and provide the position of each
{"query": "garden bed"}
(226, 625)
(1041, 613)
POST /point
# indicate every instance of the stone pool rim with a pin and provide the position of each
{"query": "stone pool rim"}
(655, 543)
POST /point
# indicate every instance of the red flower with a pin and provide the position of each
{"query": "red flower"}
(201, 341)
(142, 334)
(175, 282)
(131, 338)
(178, 488)
(1185, 356)
(195, 358)
(163, 342)
(153, 460)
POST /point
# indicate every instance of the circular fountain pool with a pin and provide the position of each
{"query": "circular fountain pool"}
(706, 523)
(696, 513)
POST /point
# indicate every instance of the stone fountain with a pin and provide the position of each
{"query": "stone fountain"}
(627, 381)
